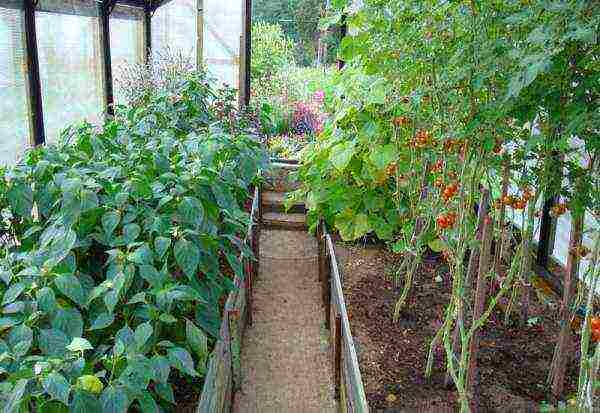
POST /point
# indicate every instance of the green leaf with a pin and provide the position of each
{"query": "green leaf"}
(20, 198)
(165, 392)
(147, 403)
(191, 211)
(69, 321)
(161, 245)
(102, 321)
(46, 300)
(57, 387)
(152, 276)
(187, 256)
(131, 232)
(70, 286)
(85, 402)
(20, 339)
(53, 342)
(196, 339)
(90, 384)
(383, 156)
(181, 360)
(437, 245)
(351, 226)
(162, 368)
(114, 400)
(79, 344)
(13, 292)
(141, 255)
(142, 333)
(14, 399)
(110, 221)
(341, 154)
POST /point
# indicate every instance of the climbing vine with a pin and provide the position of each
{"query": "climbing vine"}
(441, 103)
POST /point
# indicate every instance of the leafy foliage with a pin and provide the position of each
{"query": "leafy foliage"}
(119, 234)
(271, 51)
(440, 99)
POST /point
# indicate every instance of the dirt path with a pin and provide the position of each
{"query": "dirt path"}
(285, 357)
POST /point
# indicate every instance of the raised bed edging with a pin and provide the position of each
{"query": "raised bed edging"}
(224, 367)
(346, 370)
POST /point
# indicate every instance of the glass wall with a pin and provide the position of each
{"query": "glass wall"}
(126, 43)
(175, 25)
(223, 25)
(70, 70)
(14, 118)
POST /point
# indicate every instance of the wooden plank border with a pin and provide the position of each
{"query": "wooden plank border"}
(223, 377)
(347, 370)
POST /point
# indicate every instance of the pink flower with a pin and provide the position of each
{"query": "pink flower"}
(319, 96)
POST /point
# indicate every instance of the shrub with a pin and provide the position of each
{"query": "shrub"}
(124, 238)
(271, 50)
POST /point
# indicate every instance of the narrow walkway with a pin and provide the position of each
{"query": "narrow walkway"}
(286, 364)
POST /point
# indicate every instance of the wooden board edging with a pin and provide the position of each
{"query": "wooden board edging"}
(223, 374)
(353, 388)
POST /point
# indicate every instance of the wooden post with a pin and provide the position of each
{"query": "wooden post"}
(559, 363)
(481, 289)
(482, 213)
(337, 355)
(233, 317)
(34, 85)
(324, 271)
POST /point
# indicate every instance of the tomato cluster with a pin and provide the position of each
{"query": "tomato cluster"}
(446, 220)
(400, 121)
(452, 145)
(422, 139)
(595, 327)
(516, 202)
(558, 210)
(581, 251)
(449, 191)
(438, 166)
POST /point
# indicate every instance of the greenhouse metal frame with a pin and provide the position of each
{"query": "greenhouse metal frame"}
(103, 9)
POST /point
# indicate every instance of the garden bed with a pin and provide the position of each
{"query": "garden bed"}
(513, 361)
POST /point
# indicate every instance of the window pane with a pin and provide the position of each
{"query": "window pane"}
(70, 72)
(14, 122)
(175, 25)
(222, 32)
(126, 46)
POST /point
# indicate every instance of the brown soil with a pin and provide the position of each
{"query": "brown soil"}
(513, 361)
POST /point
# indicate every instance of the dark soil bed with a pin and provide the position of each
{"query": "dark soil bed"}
(513, 361)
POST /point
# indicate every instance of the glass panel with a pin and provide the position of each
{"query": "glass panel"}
(222, 32)
(563, 233)
(126, 47)
(175, 26)
(14, 121)
(70, 70)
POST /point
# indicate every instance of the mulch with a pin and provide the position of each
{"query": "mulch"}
(513, 361)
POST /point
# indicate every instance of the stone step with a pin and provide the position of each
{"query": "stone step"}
(279, 178)
(284, 221)
(275, 202)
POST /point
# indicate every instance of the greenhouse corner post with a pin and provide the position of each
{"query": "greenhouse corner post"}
(148, 10)
(247, 51)
(106, 8)
(33, 74)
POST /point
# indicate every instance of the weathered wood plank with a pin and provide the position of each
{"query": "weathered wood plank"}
(355, 389)
(224, 371)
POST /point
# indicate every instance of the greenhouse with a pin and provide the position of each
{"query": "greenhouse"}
(299, 206)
